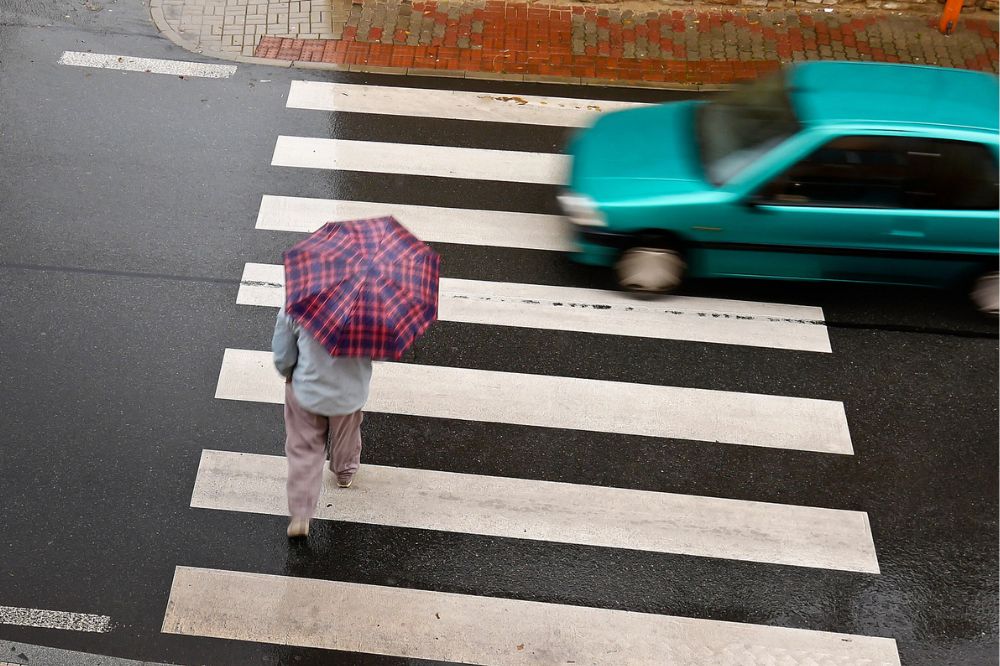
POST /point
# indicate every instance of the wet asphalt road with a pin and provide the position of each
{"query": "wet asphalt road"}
(127, 207)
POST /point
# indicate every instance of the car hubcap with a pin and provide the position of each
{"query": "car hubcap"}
(650, 269)
(986, 293)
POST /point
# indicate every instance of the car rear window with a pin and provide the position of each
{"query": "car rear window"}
(951, 175)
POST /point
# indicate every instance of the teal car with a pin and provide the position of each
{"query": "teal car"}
(825, 171)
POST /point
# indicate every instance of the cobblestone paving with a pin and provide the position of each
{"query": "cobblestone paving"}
(493, 37)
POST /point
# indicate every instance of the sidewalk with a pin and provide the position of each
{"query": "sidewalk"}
(605, 44)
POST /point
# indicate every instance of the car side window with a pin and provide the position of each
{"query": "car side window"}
(850, 171)
(951, 175)
(891, 172)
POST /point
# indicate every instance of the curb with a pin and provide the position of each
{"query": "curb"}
(160, 21)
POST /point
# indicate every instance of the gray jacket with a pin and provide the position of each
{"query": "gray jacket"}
(323, 384)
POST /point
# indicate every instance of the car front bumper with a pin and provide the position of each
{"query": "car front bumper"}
(593, 242)
(596, 246)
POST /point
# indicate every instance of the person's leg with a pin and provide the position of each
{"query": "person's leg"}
(345, 447)
(305, 449)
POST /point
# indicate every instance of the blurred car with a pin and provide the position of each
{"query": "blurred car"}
(830, 171)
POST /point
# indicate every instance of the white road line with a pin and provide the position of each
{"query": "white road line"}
(440, 626)
(456, 104)
(421, 160)
(571, 403)
(597, 311)
(799, 536)
(49, 619)
(491, 228)
(151, 65)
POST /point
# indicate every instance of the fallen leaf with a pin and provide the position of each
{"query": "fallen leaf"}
(520, 101)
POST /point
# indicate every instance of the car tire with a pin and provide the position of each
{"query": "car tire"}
(650, 270)
(985, 293)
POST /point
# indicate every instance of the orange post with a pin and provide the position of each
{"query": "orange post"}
(949, 17)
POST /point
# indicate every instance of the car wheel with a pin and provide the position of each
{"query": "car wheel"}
(650, 270)
(985, 293)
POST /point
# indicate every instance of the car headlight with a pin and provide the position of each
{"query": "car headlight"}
(582, 210)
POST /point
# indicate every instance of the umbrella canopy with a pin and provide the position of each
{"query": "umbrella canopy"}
(363, 288)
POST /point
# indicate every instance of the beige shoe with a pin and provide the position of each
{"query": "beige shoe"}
(345, 481)
(298, 527)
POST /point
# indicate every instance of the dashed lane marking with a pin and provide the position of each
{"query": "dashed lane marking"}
(150, 65)
(50, 619)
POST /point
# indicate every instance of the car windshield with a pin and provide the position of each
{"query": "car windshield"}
(740, 126)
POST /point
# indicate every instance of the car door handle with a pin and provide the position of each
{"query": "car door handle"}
(706, 228)
(906, 233)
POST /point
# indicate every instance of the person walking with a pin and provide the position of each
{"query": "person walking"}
(354, 292)
(324, 395)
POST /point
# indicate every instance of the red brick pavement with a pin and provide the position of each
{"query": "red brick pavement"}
(685, 46)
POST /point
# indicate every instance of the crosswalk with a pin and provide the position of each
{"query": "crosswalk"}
(409, 622)
(453, 104)
(596, 311)
(420, 160)
(585, 515)
(492, 228)
(571, 403)
(483, 630)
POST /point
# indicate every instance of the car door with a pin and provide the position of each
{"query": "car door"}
(830, 216)
(950, 223)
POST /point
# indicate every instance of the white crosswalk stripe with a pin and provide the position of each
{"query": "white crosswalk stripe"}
(421, 160)
(468, 629)
(559, 512)
(571, 403)
(493, 228)
(597, 311)
(455, 104)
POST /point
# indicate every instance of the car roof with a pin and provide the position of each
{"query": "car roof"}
(893, 94)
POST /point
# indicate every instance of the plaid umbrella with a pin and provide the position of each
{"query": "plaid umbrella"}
(364, 288)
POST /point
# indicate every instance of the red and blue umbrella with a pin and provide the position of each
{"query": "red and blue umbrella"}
(364, 288)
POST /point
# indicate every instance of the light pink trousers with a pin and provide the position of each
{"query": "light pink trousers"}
(307, 438)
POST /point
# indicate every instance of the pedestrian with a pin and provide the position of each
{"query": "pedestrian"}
(324, 395)
(354, 292)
